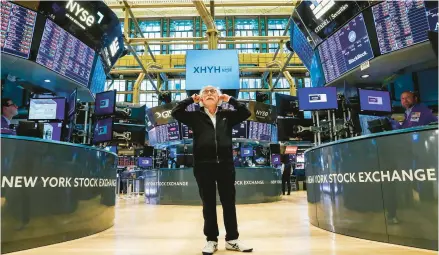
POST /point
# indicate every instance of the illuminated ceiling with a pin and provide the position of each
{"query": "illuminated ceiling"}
(186, 8)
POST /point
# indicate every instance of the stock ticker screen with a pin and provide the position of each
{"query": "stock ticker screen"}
(64, 54)
(400, 24)
(240, 130)
(17, 28)
(346, 49)
(259, 131)
(167, 132)
(301, 46)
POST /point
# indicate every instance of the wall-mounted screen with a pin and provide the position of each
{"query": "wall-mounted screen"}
(63, 53)
(259, 131)
(47, 108)
(240, 130)
(103, 131)
(324, 98)
(346, 49)
(400, 24)
(17, 29)
(144, 162)
(52, 131)
(374, 100)
(105, 103)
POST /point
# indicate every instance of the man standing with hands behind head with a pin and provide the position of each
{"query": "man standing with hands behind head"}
(213, 160)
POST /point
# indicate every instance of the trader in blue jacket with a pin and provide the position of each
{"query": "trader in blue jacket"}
(416, 114)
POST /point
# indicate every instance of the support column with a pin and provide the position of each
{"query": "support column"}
(136, 88)
(212, 37)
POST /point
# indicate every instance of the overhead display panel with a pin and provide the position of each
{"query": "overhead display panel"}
(65, 54)
(400, 24)
(346, 49)
(301, 45)
(323, 17)
(92, 22)
(17, 28)
(259, 131)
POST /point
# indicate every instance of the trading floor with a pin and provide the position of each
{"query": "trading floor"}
(271, 228)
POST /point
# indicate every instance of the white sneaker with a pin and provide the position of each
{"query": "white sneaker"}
(236, 245)
(210, 248)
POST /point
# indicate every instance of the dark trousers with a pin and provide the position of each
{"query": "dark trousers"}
(208, 176)
(286, 180)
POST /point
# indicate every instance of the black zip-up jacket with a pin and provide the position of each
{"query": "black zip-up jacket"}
(211, 144)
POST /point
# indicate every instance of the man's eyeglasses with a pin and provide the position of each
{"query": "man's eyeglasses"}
(11, 105)
(211, 91)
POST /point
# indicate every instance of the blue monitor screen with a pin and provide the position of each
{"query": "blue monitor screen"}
(374, 100)
(307, 115)
(346, 49)
(98, 79)
(103, 131)
(111, 149)
(324, 98)
(275, 159)
(144, 162)
(301, 46)
(105, 103)
(316, 71)
(246, 151)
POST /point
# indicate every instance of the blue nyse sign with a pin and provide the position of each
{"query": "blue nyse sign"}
(219, 68)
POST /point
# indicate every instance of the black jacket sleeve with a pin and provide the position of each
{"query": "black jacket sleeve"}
(241, 113)
(179, 112)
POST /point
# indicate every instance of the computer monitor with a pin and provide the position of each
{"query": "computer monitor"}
(379, 125)
(47, 109)
(300, 158)
(290, 149)
(52, 131)
(148, 151)
(275, 159)
(246, 151)
(30, 129)
(72, 102)
(105, 103)
(375, 100)
(103, 131)
(322, 98)
(138, 114)
(111, 149)
(136, 133)
(144, 162)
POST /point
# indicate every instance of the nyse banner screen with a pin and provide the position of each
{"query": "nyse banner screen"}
(346, 49)
(259, 131)
(374, 100)
(17, 28)
(64, 54)
(400, 24)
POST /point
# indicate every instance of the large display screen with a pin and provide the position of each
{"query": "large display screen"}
(63, 53)
(219, 68)
(52, 131)
(346, 49)
(144, 162)
(103, 131)
(167, 132)
(324, 98)
(374, 100)
(322, 17)
(259, 131)
(47, 108)
(17, 28)
(240, 130)
(301, 46)
(400, 24)
(186, 132)
(98, 77)
(105, 103)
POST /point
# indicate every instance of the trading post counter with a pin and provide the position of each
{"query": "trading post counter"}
(53, 192)
(381, 187)
(179, 187)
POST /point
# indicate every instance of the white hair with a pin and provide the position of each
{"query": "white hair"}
(218, 91)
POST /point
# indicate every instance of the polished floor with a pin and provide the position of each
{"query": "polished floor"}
(272, 228)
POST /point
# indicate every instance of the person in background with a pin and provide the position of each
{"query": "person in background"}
(9, 110)
(416, 114)
(286, 174)
(213, 160)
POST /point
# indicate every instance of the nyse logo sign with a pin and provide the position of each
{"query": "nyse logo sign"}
(317, 98)
(163, 115)
(75, 12)
(260, 113)
(212, 69)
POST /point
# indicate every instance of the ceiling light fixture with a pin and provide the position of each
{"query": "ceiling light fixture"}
(364, 76)
(46, 80)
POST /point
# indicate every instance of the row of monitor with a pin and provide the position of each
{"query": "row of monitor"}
(58, 50)
(176, 131)
(142, 162)
(341, 48)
